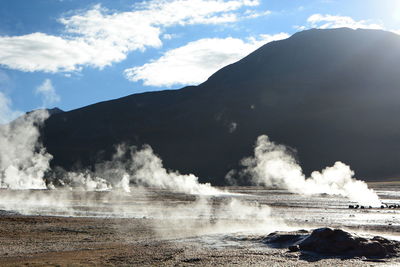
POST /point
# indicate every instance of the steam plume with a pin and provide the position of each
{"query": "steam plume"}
(147, 169)
(23, 160)
(273, 165)
(143, 168)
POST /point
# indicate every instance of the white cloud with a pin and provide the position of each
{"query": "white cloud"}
(252, 14)
(49, 95)
(396, 31)
(5, 81)
(98, 37)
(7, 114)
(330, 21)
(41, 52)
(194, 62)
(169, 36)
(299, 27)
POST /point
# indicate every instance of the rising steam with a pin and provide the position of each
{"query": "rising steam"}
(137, 167)
(23, 160)
(273, 165)
(24, 163)
(147, 169)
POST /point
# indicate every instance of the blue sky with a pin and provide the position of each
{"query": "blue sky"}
(72, 53)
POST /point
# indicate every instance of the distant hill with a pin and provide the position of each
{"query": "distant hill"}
(330, 94)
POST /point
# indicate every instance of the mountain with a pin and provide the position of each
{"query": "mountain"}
(51, 111)
(55, 110)
(330, 94)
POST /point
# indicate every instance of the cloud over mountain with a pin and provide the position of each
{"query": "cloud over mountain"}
(194, 62)
(327, 21)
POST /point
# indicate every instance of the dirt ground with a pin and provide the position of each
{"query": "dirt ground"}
(71, 241)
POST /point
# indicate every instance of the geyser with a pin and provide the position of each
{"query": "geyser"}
(23, 160)
(24, 163)
(273, 165)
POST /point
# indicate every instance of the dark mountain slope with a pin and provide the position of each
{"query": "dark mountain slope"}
(331, 94)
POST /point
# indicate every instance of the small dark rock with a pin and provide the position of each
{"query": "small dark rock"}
(294, 248)
(191, 260)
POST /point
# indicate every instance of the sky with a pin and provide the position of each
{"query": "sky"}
(73, 53)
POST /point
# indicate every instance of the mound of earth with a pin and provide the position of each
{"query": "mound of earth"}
(334, 242)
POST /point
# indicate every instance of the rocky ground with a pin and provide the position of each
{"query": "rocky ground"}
(71, 241)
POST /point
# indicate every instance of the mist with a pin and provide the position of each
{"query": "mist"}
(135, 183)
(208, 215)
(25, 164)
(146, 169)
(273, 165)
(23, 160)
(132, 175)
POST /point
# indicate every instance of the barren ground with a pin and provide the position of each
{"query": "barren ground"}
(97, 241)
(65, 241)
